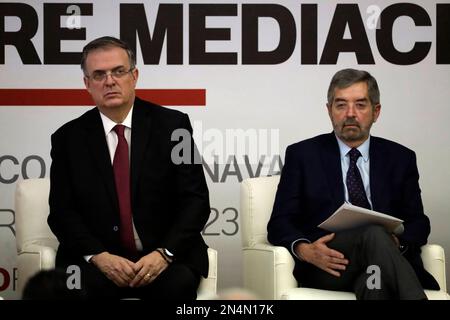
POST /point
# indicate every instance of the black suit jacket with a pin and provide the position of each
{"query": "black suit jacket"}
(311, 189)
(170, 203)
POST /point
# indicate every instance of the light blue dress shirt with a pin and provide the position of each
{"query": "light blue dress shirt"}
(363, 165)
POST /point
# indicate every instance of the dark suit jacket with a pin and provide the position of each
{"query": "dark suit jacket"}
(170, 203)
(311, 189)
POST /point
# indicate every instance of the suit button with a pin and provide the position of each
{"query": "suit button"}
(115, 228)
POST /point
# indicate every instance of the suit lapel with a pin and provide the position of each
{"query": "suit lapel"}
(98, 149)
(140, 133)
(331, 163)
(378, 172)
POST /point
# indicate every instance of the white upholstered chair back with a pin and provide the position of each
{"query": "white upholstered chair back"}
(257, 199)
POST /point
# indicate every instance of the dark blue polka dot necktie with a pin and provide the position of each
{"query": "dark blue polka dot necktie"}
(356, 193)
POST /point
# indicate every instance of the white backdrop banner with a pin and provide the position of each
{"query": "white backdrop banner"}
(252, 75)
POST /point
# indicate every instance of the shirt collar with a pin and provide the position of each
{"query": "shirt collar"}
(364, 148)
(108, 124)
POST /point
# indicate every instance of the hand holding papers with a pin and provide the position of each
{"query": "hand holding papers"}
(349, 216)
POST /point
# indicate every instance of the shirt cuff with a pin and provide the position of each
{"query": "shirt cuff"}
(88, 258)
(293, 246)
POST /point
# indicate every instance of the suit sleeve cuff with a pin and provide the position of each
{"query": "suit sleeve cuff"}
(403, 248)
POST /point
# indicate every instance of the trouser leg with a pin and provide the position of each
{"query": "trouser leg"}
(364, 247)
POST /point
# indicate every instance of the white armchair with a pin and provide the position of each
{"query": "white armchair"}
(36, 244)
(268, 269)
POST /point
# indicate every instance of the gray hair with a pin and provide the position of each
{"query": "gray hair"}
(347, 77)
(107, 42)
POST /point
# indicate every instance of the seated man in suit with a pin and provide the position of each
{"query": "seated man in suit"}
(350, 165)
(123, 209)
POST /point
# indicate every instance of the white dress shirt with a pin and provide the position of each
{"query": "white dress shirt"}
(112, 141)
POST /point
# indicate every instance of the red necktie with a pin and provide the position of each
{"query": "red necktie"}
(122, 178)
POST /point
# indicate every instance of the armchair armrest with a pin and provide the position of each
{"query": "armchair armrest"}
(271, 263)
(208, 286)
(433, 257)
(31, 259)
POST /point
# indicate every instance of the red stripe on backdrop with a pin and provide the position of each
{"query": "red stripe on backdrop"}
(80, 97)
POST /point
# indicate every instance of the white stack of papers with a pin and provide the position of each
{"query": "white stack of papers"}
(349, 216)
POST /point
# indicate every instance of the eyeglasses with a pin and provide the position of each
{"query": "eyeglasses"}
(100, 76)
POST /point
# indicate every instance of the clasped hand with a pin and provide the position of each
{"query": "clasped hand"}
(125, 273)
(323, 257)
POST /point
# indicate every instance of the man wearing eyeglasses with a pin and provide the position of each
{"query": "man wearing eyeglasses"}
(122, 210)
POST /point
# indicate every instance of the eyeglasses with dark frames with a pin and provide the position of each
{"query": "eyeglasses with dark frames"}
(118, 73)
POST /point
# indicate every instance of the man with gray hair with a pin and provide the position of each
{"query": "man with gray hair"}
(350, 165)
